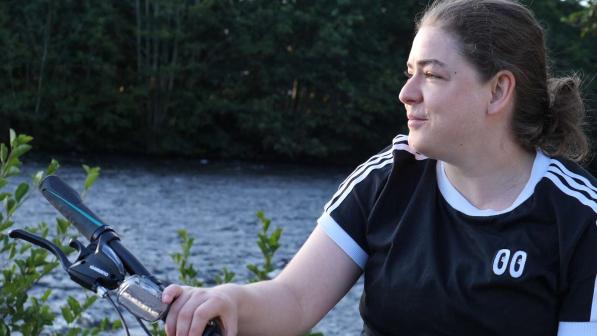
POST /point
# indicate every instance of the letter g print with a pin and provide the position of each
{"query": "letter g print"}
(505, 258)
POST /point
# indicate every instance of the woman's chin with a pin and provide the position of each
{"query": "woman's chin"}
(421, 143)
(416, 140)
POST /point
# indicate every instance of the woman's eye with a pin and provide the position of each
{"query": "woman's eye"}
(431, 75)
(407, 74)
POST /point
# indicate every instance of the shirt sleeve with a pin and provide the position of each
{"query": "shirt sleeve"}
(578, 310)
(345, 216)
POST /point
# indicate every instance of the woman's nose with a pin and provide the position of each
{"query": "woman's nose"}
(410, 94)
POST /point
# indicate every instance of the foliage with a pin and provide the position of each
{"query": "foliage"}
(24, 266)
(586, 18)
(286, 79)
(187, 274)
(268, 244)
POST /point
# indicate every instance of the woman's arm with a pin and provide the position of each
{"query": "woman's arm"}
(316, 278)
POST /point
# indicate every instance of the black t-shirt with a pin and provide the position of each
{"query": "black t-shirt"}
(435, 265)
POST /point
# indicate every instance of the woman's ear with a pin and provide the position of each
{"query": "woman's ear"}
(502, 92)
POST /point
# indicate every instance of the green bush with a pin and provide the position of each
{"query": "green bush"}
(24, 266)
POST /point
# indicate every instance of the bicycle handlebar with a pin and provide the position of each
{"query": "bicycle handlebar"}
(68, 202)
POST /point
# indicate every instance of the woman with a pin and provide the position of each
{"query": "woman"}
(479, 222)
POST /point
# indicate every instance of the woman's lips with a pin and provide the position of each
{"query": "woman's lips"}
(415, 122)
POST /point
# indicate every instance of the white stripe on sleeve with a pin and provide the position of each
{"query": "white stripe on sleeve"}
(573, 175)
(572, 183)
(568, 191)
(336, 202)
(344, 241)
(577, 329)
(381, 158)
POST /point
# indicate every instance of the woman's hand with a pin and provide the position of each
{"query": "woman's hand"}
(192, 308)
(318, 276)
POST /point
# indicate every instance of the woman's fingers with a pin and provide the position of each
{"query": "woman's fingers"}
(216, 307)
(186, 314)
(202, 315)
(229, 323)
(172, 319)
(170, 293)
(193, 308)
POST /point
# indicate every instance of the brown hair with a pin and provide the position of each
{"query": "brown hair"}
(504, 35)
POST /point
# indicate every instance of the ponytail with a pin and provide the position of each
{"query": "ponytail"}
(562, 132)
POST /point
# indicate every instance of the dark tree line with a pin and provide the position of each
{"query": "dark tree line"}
(304, 80)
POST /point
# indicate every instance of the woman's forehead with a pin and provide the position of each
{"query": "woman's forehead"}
(434, 46)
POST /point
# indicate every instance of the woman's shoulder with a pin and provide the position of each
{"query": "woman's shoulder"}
(572, 185)
(571, 169)
(569, 196)
(399, 155)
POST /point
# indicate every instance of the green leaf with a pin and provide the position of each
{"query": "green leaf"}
(227, 276)
(5, 225)
(183, 234)
(50, 267)
(3, 152)
(24, 248)
(24, 138)
(44, 229)
(74, 305)
(92, 174)
(62, 225)
(74, 332)
(37, 177)
(89, 301)
(21, 191)
(253, 268)
(264, 221)
(117, 325)
(4, 331)
(275, 237)
(12, 252)
(46, 295)
(20, 150)
(13, 137)
(53, 167)
(12, 171)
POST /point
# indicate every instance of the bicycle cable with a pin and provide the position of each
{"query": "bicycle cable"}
(143, 325)
(126, 328)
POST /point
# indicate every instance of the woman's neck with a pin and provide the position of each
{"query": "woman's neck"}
(492, 179)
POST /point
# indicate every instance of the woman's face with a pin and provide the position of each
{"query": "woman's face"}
(445, 101)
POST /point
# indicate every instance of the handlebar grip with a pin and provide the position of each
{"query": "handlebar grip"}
(68, 202)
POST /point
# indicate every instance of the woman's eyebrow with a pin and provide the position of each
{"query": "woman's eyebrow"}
(424, 62)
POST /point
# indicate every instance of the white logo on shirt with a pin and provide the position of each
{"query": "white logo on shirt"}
(502, 260)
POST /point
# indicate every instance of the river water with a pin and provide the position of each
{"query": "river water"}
(148, 201)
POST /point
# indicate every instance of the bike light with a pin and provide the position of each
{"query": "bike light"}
(142, 298)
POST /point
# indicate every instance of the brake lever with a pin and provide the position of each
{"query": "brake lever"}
(44, 243)
(95, 265)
